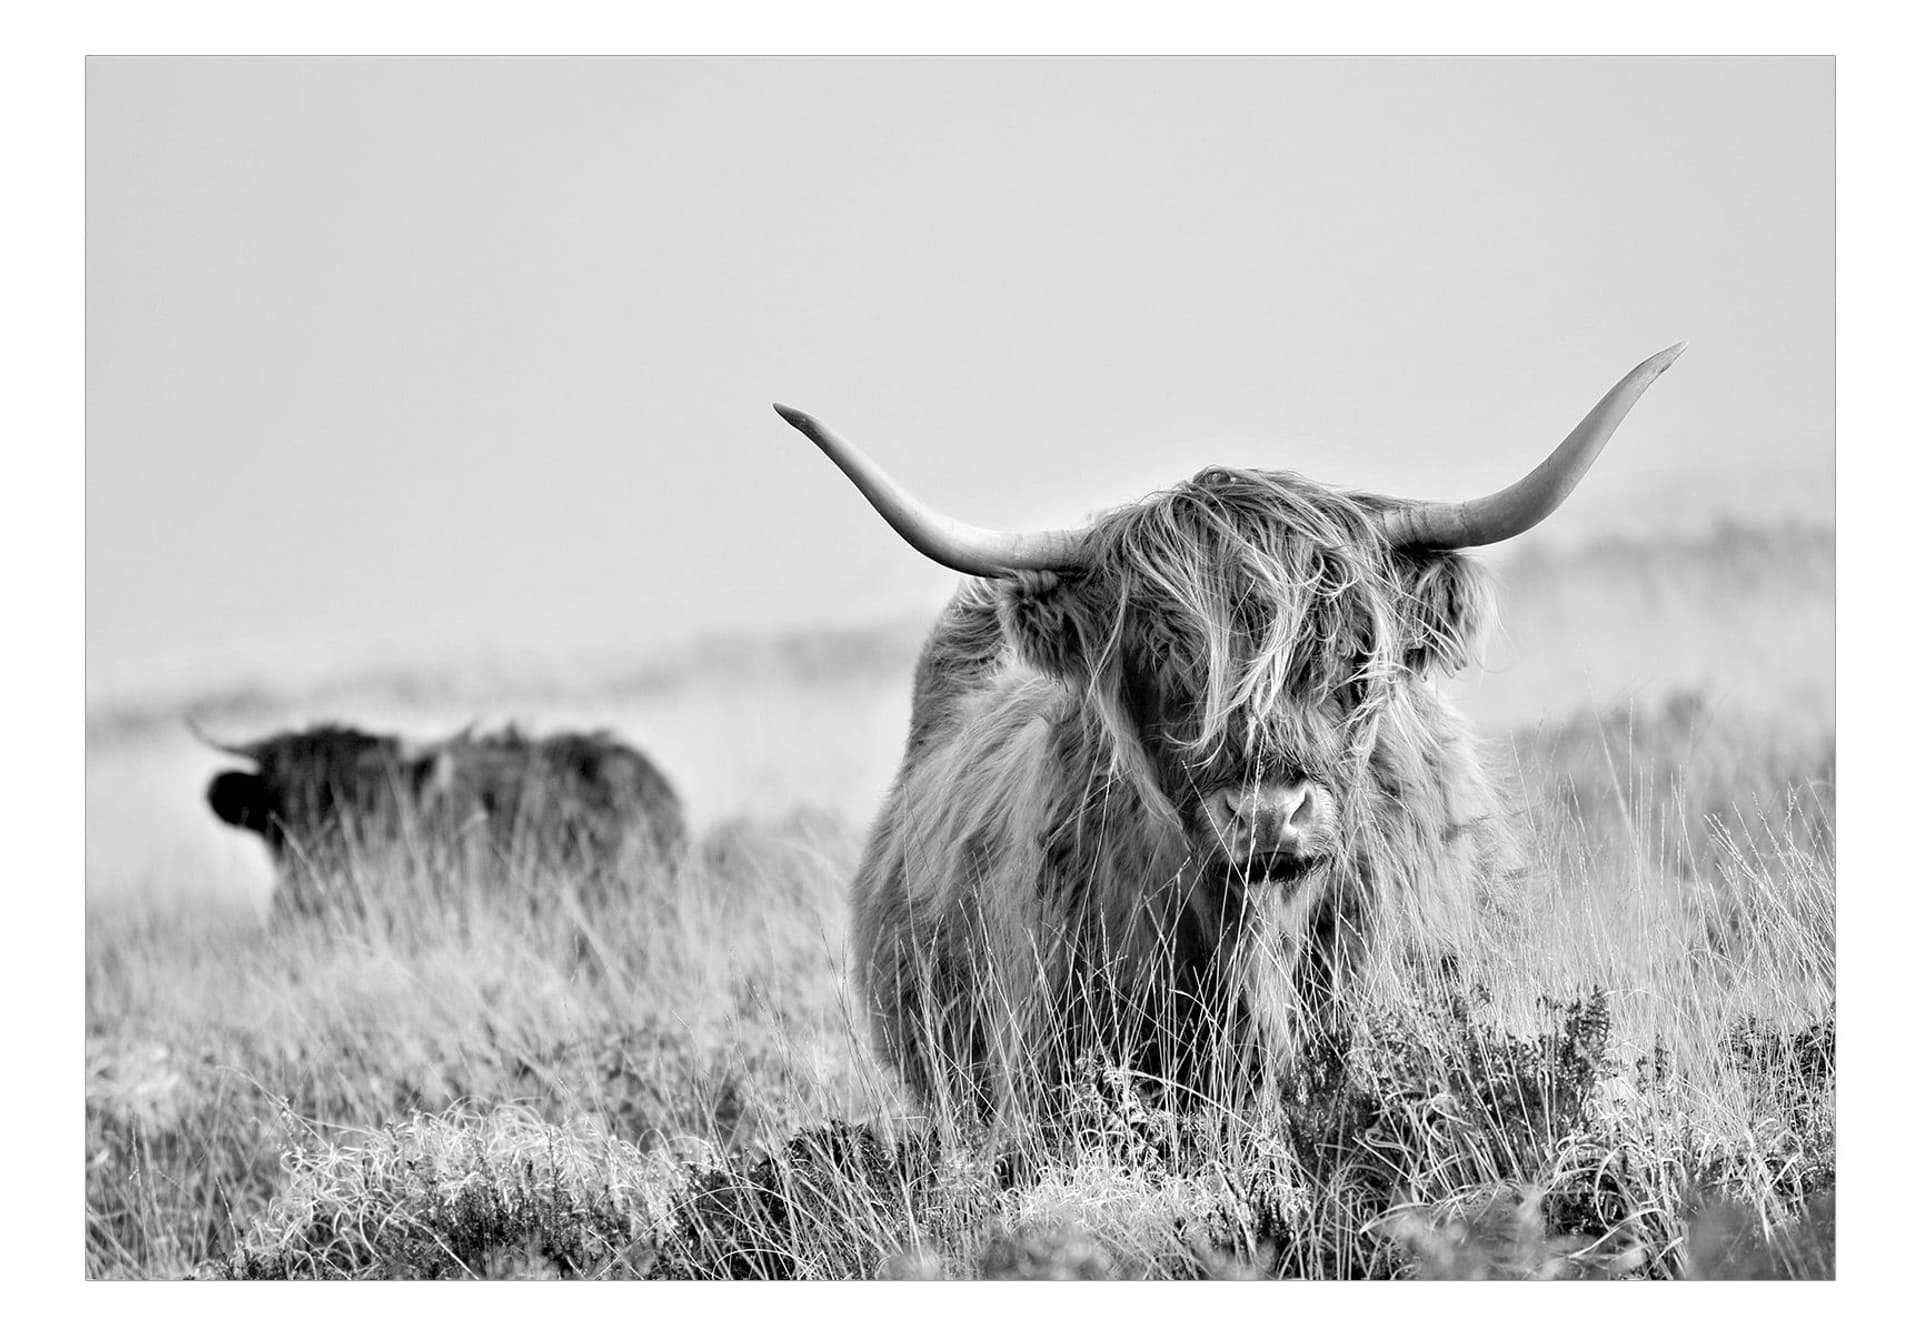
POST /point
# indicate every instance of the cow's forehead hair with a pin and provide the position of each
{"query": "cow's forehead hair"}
(1257, 590)
(1221, 509)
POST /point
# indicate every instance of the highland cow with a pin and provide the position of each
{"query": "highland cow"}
(328, 796)
(1178, 782)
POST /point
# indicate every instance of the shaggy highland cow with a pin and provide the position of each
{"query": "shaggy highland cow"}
(324, 797)
(1177, 781)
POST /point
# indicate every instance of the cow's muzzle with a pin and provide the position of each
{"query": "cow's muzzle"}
(1269, 831)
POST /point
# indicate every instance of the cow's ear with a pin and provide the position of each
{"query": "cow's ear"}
(240, 799)
(1045, 616)
(1451, 608)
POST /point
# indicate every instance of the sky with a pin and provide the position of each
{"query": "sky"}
(400, 360)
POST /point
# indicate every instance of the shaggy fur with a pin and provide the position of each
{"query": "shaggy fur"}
(323, 796)
(1044, 883)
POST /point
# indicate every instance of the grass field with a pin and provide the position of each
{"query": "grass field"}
(1632, 1074)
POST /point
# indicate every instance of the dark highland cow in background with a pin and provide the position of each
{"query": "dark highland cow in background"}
(330, 796)
(1178, 781)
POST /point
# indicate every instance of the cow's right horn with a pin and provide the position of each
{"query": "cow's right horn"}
(958, 546)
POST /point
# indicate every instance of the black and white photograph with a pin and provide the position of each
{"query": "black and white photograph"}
(971, 667)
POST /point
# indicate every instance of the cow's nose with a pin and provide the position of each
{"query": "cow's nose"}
(1270, 818)
(1277, 817)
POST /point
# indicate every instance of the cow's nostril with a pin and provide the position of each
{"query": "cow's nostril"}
(1302, 811)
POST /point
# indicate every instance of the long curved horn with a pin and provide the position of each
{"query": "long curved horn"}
(958, 546)
(1510, 512)
(238, 752)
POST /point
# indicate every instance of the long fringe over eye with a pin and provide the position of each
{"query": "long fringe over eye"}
(1280, 594)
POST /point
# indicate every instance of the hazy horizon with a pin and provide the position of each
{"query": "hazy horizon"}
(396, 359)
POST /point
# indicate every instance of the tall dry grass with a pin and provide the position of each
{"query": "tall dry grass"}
(440, 1076)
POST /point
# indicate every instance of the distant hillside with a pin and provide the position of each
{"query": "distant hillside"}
(1739, 601)
(1793, 555)
(1741, 614)
(808, 657)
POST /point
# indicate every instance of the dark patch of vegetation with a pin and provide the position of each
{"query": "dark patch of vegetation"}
(779, 1215)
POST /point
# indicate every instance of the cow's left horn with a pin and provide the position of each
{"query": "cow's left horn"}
(238, 752)
(958, 546)
(1510, 512)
